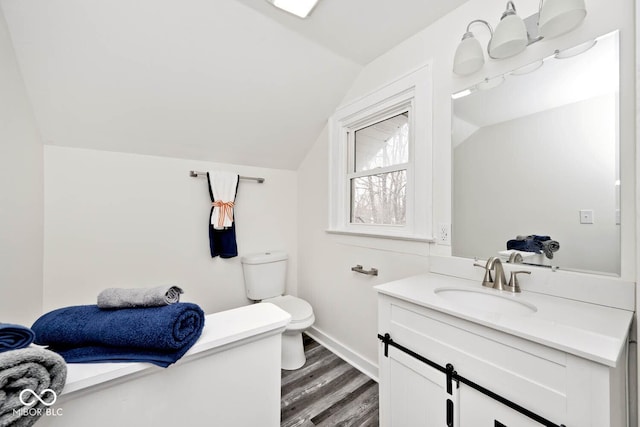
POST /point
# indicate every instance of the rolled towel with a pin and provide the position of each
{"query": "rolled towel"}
(41, 371)
(88, 334)
(13, 337)
(139, 297)
(549, 247)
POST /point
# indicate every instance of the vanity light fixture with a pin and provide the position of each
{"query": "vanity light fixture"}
(513, 34)
(488, 83)
(576, 50)
(510, 37)
(526, 69)
(557, 17)
(300, 8)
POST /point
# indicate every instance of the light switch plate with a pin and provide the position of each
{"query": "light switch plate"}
(586, 216)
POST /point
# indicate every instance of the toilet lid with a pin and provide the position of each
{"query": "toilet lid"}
(298, 308)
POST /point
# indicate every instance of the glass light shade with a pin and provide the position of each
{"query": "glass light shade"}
(510, 37)
(469, 57)
(560, 16)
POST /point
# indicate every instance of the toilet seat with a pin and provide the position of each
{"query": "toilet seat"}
(299, 309)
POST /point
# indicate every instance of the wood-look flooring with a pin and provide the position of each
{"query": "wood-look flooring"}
(327, 392)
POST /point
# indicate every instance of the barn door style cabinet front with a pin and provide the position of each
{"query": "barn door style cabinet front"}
(437, 369)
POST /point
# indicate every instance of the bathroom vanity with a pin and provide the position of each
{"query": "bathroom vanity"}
(455, 353)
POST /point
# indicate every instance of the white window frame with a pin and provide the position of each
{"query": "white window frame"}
(412, 93)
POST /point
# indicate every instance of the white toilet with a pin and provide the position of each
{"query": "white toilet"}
(264, 280)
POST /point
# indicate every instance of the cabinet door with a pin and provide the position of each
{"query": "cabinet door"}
(478, 410)
(417, 394)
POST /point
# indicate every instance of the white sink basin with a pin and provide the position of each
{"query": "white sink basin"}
(486, 301)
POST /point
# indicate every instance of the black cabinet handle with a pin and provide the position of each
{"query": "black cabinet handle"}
(498, 424)
(449, 413)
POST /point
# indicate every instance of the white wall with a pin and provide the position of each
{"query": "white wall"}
(343, 301)
(538, 153)
(21, 228)
(127, 220)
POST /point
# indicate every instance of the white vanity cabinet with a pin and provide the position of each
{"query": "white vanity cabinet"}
(557, 386)
(416, 392)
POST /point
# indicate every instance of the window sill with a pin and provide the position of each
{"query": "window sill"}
(383, 236)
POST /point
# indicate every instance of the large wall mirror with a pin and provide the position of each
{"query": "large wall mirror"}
(536, 153)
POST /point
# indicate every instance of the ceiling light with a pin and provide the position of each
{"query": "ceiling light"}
(301, 8)
(463, 93)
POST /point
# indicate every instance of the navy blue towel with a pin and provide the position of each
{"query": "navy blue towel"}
(88, 334)
(526, 245)
(223, 243)
(534, 243)
(13, 337)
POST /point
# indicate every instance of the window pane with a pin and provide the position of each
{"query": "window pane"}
(385, 143)
(379, 199)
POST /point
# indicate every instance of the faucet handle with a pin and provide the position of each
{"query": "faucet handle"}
(488, 280)
(513, 285)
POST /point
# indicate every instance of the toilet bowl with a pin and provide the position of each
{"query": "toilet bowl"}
(302, 318)
(264, 279)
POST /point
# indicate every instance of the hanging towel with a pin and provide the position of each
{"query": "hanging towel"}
(13, 337)
(223, 187)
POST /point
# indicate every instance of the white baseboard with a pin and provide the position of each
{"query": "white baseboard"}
(365, 366)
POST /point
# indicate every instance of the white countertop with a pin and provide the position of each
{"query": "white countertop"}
(591, 331)
(220, 329)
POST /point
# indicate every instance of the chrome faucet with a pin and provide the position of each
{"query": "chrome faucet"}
(493, 264)
(499, 282)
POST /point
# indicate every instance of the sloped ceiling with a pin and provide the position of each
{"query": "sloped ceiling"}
(232, 81)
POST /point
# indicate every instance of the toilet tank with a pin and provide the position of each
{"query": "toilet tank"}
(264, 274)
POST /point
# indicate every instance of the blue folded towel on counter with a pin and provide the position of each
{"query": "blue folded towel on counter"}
(13, 337)
(88, 334)
(534, 243)
(526, 245)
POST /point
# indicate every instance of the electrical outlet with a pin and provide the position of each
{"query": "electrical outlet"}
(444, 233)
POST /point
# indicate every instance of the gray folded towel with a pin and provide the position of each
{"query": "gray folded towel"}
(25, 374)
(139, 297)
(549, 247)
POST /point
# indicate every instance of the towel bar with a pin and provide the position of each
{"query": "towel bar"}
(195, 174)
(358, 269)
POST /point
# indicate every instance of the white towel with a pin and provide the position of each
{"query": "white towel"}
(223, 188)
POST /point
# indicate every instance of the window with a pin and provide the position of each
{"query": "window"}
(379, 172)
(380, 154)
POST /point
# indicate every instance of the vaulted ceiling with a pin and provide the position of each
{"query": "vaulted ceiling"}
(233, 81)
